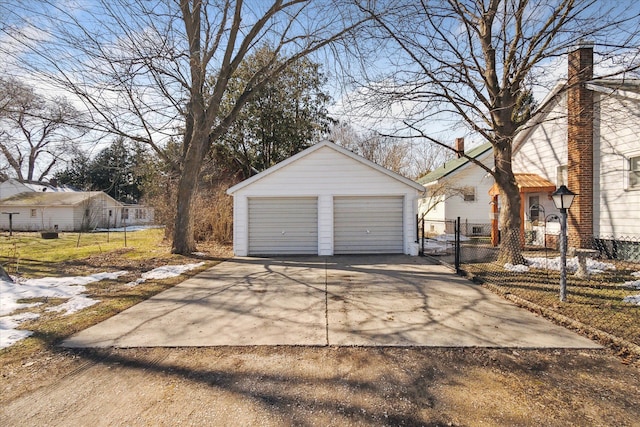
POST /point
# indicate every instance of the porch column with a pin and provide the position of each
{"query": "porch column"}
(521, 220)
(495, 240)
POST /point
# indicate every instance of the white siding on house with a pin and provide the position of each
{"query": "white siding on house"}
(477, 211)
(46, 218)
(546, 146)
(63, 217)
(616, 139)
(324, 174)
(616, 211)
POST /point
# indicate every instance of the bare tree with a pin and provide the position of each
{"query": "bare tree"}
(144, 68)
(34, 132)
(478, 60)
(396, 154)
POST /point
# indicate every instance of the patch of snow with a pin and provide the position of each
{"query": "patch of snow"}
(128, 228)
(593, 266)
(434, 247)
(635, 284)
(518, 268)
(9, 332)
(449, 237)
(198, 254)
(47, 287)
(165, 272)
(633, 299)
(74, 304)
(636, 274)
(69, 288)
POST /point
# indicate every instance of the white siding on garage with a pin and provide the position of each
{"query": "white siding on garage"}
(283, 225)
(323, 173)
(368, 225)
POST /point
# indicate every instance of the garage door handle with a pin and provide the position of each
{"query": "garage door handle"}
(368, 231)
(283, 232)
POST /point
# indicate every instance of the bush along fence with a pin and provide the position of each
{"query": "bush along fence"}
(603, 282)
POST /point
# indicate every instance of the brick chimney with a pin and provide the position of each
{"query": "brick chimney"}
(580, 145)
(459, 146)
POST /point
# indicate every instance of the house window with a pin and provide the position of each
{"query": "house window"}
(469, 194)
(534, 208)
(34, 213)
(634, 173)
(562, 177)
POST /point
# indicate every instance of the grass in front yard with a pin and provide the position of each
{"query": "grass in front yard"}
(29, 256)
(596, 301)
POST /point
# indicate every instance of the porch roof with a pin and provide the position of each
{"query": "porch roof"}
(528, 183)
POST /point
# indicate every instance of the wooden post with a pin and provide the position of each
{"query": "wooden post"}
(521, 220)
(495, 240)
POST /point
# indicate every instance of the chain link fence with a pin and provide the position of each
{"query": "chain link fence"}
(603, 282)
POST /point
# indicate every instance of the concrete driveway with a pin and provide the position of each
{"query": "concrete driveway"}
(341, 300)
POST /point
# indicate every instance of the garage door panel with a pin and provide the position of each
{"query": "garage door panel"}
(283, 226)
(368, 225)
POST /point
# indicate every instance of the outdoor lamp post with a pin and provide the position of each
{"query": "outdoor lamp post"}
(562, 198)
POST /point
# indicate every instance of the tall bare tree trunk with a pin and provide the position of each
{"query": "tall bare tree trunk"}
(510, 249)
(183, 238)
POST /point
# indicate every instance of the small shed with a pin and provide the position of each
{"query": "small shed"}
(325, 200)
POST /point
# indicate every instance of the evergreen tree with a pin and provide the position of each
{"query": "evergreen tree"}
(282, 119)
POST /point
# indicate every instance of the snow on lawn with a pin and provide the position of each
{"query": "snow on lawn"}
(593, 266)
(633, 299)
(634, 284)
(128, 228)
(69, 288)
(49, 287)
(9, 334)
(518, 268)
(165, 272)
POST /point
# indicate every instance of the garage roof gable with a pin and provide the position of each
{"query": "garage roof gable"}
(315, 148)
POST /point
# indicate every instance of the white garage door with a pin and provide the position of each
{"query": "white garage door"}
(283, 226)
(367, 225)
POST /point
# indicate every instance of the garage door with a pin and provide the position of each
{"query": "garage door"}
(283, 226)
(367, 225)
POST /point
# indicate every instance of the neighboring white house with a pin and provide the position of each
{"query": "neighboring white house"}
(325, 200)
(586, 136)
(124, 215)
(459, 188)
(136, 215)
(51, 211)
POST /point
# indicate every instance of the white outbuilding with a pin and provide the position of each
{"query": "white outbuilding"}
(325, 200)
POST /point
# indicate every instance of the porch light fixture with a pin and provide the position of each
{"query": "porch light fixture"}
(563, 198)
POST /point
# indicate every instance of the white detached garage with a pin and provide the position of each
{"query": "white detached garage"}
(325, 200)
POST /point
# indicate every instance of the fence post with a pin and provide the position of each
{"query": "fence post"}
(422, 241)
(457, 245)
